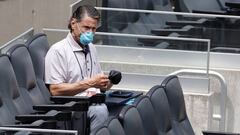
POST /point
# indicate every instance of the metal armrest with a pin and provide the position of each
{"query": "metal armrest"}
(218, 133)
(71, 106)
(52, 115)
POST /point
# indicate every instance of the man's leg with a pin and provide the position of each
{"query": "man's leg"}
(79, 122)
(98, 114)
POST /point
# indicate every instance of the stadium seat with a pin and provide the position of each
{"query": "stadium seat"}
(25, 75)
(176, 101)
(179, 118)
(161, 107)
(101, 131)
(12, 102)
(112, 126)
(209, 7)
(148, 115)
(194, 6)
(131, 121)
(38, 47)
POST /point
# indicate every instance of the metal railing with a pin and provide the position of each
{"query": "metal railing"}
(168, 13)
(222, 116)
(20, 38)
(74, 132)
(149, 37)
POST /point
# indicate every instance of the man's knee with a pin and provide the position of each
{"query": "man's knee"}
(97, 114)
(98, 111)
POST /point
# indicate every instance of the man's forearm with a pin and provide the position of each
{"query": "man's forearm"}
(70, 89)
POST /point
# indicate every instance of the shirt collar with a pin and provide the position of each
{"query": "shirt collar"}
(74, 45)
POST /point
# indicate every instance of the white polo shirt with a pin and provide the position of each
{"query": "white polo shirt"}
(66, 62)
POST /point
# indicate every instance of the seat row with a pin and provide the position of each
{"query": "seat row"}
(160, 112)
(164, 25)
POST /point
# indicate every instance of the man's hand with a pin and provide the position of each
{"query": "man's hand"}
(100, 81)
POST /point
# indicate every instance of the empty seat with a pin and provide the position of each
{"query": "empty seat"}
(23, 68)
(148, 115)
(176, 101)
(10, 91)
(101, 131)
(25, 75)
(112, 127)
(161, 107)
(38, 47)
(7, 111)
(190, 6)
(131, 121)
(12, 102)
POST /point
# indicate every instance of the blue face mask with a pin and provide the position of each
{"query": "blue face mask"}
(86, 38)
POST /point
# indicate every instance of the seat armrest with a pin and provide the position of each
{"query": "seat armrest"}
(67, 99)
(233, 7)
(225, 50)
(201, 22)
(71, 106)
(98, 98)
(166, 32)
(154, 42)
(218, 133)
(36, 124)
(233, 4)
(210, 12)
(7, 132)
(52, 115)
(187, 31)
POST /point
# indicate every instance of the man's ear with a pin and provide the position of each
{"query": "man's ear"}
(73, 22)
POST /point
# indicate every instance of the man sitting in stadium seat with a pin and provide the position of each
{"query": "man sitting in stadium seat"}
(72, 67)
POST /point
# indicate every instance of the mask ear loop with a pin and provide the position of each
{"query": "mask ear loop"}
(79, 29)
(80, 33)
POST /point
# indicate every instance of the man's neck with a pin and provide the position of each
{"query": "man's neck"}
(76, 38)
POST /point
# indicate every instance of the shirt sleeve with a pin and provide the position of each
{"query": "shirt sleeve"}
(55, 69)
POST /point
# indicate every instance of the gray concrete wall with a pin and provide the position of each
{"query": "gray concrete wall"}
(16, 16)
